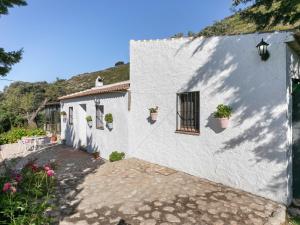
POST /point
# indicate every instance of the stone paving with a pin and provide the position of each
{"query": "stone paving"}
(93, 192)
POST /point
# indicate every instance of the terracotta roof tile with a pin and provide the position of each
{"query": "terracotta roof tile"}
(117, 87)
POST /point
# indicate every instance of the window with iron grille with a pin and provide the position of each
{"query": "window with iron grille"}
(188, 112)
(99, 116)
(71, 115)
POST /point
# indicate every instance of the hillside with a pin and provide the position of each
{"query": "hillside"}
(275, 16)
(21, 103)
(87, 80)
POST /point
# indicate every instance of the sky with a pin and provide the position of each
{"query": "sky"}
(63, 38)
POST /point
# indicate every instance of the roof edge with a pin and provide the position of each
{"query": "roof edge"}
(105, 89)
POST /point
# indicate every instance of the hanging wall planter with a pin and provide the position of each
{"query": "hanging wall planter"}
(223, 114)
(89, 121)
(109, 121)
(154, 113)
(64, 116)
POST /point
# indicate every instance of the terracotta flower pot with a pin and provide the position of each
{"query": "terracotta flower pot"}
(53, 138)
(153, 116)
(224, 122)
(96, 155)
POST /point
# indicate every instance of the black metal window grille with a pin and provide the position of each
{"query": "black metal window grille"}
(188, 108)
(99, 116)
(71, 115)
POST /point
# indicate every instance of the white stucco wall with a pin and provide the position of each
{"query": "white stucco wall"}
(104, 140)
(252, 153)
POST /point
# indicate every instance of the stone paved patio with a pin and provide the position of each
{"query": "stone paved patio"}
(94, 192)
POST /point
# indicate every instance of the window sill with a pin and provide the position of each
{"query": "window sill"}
(195, 133)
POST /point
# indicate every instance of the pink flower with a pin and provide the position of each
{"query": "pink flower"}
(34, 167)
(6, 187)
(13, 189)
(50, 173)
(47, 168)
(18, 178)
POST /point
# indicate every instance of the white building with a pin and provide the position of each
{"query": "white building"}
(97, 102)
(253, 154)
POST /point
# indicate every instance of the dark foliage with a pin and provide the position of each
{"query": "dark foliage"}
(7, 59)
(6, 4)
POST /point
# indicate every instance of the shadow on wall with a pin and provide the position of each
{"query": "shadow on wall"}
(263, 114)
(213, 124)
(71, 141)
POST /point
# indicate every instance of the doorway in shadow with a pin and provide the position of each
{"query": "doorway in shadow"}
(82, 126)
(296, 138)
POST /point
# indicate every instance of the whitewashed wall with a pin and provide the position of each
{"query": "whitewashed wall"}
(104, 140)
(252, 154)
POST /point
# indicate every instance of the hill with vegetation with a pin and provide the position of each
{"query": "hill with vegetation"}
(21, 103)
(87, 80)
(264, 16)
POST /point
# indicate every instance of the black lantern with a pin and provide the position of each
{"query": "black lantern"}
(262, 48)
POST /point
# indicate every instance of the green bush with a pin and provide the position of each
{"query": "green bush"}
(89, 119)
(116, 156)
(223, 111)
(16, 134)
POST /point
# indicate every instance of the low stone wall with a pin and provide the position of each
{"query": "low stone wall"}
(10, 151)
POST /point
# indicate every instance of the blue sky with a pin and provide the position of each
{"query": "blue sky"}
(62, 38)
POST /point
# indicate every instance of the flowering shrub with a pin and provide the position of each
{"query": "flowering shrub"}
(16, 134)
(25, 195)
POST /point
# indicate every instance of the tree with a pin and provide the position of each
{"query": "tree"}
(119, 63)
(8, 59)
(6, 4)
(191, 34)
(178, 35)
(271, 13)
(23, 101)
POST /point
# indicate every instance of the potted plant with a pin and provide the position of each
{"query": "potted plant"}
(53, 138)
(223, 114)
(153, 113)
(96, 155)
(109, 120)
(64, 116)
(89, 120)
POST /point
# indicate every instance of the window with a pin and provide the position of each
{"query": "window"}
(99, 116)
(188, 112)
(71, 115)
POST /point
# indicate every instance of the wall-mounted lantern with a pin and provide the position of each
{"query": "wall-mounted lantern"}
(262, 48)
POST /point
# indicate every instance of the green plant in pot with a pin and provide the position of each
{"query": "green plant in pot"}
(64, 116)
(109, 120)
(223, 114)
(153, 113)
(89, 120)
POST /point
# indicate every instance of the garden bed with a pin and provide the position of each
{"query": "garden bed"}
(26, 195)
